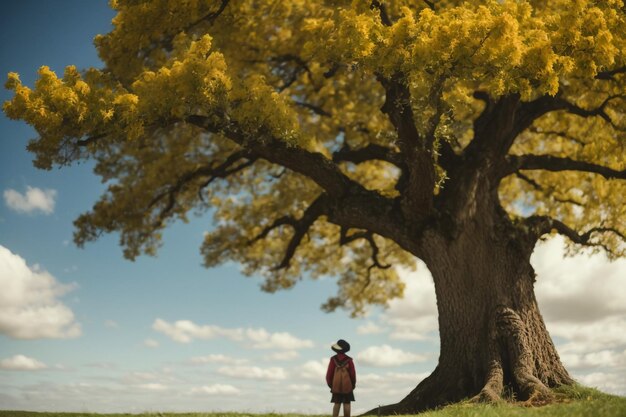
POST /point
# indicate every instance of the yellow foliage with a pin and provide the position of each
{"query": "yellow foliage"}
(308, 73)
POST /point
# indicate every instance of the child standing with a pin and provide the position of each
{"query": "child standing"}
(339, 364)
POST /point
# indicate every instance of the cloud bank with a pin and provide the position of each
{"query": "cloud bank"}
(185, 331)
(21, 363)
(385, 355)
(583, 301)
(29, 301)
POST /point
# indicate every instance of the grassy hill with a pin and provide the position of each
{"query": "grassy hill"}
(571, 402)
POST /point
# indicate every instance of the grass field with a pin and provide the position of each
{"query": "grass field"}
(571, 402)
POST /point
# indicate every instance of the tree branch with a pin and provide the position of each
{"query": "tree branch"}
(565, 135)
(368, 153)
(314, 165)
(281, 221)
(556, 164)
(91, 139)
(300, 66)
(608, 75)
(541, 189)
(416, 198)
(221, 171)
(541, 225)
(521, 116)
(224, 170)
(166, 42)
(384, 17)
(559, 103)
(318, 208)
(369, 237)
(349, 203)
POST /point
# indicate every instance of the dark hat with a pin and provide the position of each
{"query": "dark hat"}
(341, 346)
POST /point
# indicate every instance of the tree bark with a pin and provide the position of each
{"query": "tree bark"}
(494, 342)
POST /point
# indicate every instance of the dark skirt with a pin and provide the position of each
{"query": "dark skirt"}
(342, 398)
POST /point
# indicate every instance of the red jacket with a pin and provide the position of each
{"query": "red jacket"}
(331, 369)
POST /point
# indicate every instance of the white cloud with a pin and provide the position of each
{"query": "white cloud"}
(216, 389)
(151, 343)
(29, 305)
(578, 289)
(218, 358)
(35, 199)
(405, 376)
(314, 370)
(139, 377)
(604, 381)
(21, 363)
(607, 333)
(287, 355)
(262, 339)
(253, 372)
(582, 298)
(299, 387)
(594, 360)
(185, 331)
(583, 301)
(385, 355)
(414, 317)
(153, 386)
(369, 328)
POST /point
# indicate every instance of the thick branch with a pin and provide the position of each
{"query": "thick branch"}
(501, 122)
(349, 203)
(311, 164)
(495, 128)
(368, 153)
(419, 177)
(555, 164)
(301, 226)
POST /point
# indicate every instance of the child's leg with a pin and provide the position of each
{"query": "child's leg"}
(346, 409)
(336, 409)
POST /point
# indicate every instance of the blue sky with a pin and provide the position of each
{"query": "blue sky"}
(86, 330)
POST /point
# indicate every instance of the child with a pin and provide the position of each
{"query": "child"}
(344, 361)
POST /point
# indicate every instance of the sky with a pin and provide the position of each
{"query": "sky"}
(86, 330)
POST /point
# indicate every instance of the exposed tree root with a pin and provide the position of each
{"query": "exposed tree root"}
(492, 391)
(513, 331)
(510, 331)
(511, 365)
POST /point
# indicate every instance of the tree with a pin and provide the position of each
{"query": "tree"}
(349, 138)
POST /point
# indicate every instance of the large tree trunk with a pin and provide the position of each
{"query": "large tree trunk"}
(493, 338)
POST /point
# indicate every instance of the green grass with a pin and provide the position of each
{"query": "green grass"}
(571, 402)
(574, 401)
(151, 414)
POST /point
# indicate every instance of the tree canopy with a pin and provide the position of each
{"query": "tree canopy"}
(302, 125)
